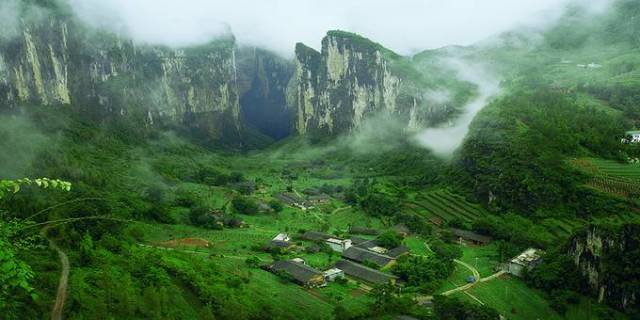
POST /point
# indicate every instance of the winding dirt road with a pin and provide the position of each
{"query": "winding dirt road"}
(61, 295)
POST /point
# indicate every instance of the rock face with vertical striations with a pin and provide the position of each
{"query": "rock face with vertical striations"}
(55, 60)
(607, 257)
(351, 79)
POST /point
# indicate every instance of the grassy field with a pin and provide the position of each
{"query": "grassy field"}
(483, 258)
(512, 298)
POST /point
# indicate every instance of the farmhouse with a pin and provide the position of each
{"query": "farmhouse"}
(333, 274)
(315, 236)
(282, 240)
(398, 252)
(470, 236)
(525, 261)
(291, 199)
(318, 199)
(361, 255)
(363, 230)
(632, 137)
(301, 273)
(367, 274)
(338, 245)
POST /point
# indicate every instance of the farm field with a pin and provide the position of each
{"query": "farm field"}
(447, 206)
(611, 177)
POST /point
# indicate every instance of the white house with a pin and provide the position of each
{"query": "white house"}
(528, 260)
(338, 245)
(333, 274)
(282, 237)
(632, 137)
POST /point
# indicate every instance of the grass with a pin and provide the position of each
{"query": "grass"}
(483, 258)
(511, 298)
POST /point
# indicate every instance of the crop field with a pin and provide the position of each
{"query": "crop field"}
(562, 227)
(611, 177)
(448, 206)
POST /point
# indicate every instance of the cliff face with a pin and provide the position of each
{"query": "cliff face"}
(607, 257)
(351, 79)
(57, 61)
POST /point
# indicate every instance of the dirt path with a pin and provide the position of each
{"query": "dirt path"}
(61, 295)
(340, 209)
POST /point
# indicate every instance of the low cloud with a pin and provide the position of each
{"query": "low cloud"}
(406, 26)
(443, 141)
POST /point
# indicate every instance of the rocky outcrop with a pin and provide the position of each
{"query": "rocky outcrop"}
(607, 257)
(55, 60)
(351, 79)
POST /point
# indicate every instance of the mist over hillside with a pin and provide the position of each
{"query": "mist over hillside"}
(319, 160)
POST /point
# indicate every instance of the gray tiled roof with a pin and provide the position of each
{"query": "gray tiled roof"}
(470, 235)
(364, 273)
(297, 270)
(361, 255)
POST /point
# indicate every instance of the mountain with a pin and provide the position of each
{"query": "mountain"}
(353, 78)
(219, 91)
(56, 60)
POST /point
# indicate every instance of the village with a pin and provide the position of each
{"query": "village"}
(320, 244)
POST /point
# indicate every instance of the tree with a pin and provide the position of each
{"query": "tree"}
(389, 239)
(245, 205)
(389, 301)
(276, 205)
(15, 274)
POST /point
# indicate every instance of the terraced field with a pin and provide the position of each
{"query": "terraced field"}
(611, 177)
(562, 227)
(448, 206)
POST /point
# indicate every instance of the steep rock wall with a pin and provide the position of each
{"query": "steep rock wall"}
(58, 61)
(607, 257)
(350, 80)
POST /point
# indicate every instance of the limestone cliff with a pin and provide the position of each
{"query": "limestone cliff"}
(607, 257)
(55, 60)
(351, 79)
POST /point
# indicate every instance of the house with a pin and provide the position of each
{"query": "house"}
(398, 252)
(631, 137)
(318, 199)
(315, 236)
(339, 245)
(282, 240)
(356, 241)
(470, 236)
(291, 199)
(299, 272)
(527, 260)
(361, 255)
(364, 273)
(333, 274)
(363, 230)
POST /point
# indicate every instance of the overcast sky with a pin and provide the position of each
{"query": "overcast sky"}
(402, 25)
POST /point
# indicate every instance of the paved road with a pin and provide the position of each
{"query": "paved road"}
(467, 286)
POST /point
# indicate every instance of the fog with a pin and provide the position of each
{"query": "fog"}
(403, 25)
(443, 141)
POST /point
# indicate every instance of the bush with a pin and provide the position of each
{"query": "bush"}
(245, 205)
